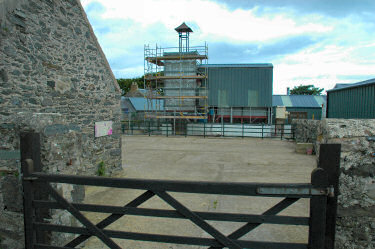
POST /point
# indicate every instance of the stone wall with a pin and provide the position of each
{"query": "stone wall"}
(61, 152)
(306, 130)
(55, 80)
(356, 200)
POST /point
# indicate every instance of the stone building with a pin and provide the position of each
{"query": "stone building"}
(355, 223)
(135, 91)
(54, 80)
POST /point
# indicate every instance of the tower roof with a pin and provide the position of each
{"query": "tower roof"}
(183, 28)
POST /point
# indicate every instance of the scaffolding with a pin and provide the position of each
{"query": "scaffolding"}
(177, 86)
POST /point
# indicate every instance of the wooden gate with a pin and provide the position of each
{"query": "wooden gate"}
(320, 191)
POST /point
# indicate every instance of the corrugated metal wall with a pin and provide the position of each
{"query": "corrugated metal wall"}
(240, 86)
(358, 102)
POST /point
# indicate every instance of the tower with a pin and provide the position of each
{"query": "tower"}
(176, 82)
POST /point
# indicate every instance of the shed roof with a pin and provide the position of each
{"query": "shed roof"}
(307, 101)
(340, 86)
(140, 104)
(239, 65)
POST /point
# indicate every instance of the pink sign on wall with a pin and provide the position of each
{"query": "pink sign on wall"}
(103, 128)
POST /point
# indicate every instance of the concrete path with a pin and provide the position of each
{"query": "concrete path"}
(210, 159)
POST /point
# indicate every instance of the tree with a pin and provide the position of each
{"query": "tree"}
(306, 90)
(125, 83)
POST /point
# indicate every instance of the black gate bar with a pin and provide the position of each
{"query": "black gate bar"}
(233, 217)
(298, 190)
(170, 238)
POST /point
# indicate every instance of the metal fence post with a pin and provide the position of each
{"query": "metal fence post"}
(281, 132)
(329, 160)
(149, 128)
(318, 204)
(167, 129)
(243, 130)
(262, 131)
(204, 130)
(223, 129)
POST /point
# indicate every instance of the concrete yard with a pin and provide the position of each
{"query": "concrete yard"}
(210, 159)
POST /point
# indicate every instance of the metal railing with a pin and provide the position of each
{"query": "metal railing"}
(178, 128)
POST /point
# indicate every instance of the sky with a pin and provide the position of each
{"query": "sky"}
(318, 42)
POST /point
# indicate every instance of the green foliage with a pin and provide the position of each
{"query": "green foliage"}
(101, 169)
(126, 83)
(9, 173)
(306, 90)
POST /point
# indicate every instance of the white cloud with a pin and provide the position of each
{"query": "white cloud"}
(336, 49)
(130, 72)
(323, 69)
(215, 21)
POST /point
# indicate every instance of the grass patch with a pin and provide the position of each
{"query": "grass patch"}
(101, 169)
(215, 204)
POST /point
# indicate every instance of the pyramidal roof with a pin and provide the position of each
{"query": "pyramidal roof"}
(183, 28)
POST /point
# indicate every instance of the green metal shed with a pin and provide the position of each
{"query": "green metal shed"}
(240, 85)
(352, 100)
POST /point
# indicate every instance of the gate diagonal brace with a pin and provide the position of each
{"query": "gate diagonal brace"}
(79, 216)
(225, 241)
(112, 218)
(248, 227)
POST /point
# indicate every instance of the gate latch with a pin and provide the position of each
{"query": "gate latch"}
(331, 191)
(30, 178)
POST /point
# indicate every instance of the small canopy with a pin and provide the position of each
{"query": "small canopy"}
(183, 28)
